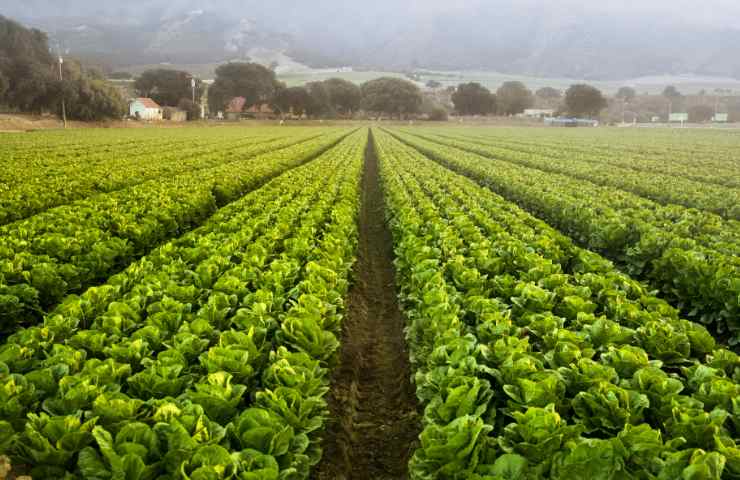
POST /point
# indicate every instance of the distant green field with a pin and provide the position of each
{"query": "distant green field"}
(688, 84)
(301, 78)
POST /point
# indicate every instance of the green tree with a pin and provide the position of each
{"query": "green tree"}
(27, 66)
(293, 99)
(671, 92)
(584, 101)
(3, 87)
(473, 99)
(95, 100)
(191, 108)
(88, 97)
(548, 93)
(32, 81)
(391, 96)
(32, 87)
(320, 102)
(676, 101)
(733, 109)
(626, 93)
(252, 81)
(167, 87)
(345, 97)
(700, 113)
(513, 97)
(438, 114)
(18, 43)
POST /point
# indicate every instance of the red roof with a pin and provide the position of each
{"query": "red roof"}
(148, 102)
(261, 108)
(236, 105)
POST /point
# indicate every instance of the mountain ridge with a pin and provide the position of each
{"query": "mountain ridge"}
(526, 38)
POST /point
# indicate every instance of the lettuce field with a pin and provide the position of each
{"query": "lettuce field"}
(370, 303)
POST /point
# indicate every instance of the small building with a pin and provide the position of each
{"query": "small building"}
(235, 108)
(262, 111)
(720, 118)
(570, 122)
(678, 117)
(538, 112)
(145, 109)
(174, 114)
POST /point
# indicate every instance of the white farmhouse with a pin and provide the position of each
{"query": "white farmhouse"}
(145, 109)
(538, 112)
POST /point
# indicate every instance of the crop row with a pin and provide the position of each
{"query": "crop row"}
(206, 359)
(694, 162)
(708, 229)
(32, 187)
(537, 359)
(686, 255)
(71, 146)
(69, 248)
(665, 188)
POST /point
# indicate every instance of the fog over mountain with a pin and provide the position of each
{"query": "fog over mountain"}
(565, 38)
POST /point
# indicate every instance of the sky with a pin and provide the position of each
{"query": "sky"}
(707, 12)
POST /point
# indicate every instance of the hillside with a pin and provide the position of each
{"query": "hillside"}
(529, 38)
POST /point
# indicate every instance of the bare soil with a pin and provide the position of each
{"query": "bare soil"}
(22, 122)
(374, 412)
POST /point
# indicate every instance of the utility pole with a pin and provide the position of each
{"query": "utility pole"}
(61, 79)
(624, 101)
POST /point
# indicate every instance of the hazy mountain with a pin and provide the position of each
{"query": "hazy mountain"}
(566, 38)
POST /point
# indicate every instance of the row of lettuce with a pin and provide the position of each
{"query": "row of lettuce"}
(206, 359)
(689, 256)
(537, 359)
(706, 157)
(35, 181)
(711, 230)
(665, 188)
(69, 248)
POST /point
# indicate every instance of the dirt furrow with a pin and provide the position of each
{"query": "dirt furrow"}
(374, 424)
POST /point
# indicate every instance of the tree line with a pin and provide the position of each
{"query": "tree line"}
(583, 100)
(513, 97)
(259, 85)
(30, 80)
(386, 96)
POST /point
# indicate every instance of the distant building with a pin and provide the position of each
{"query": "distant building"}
(145, 109)
(720, 118)
(261, 111)
(678, 117)
(538, 112)
(570, 122)
(235, 108)
(174, 114)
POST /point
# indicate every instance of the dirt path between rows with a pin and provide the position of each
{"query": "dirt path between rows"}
(375, 422)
